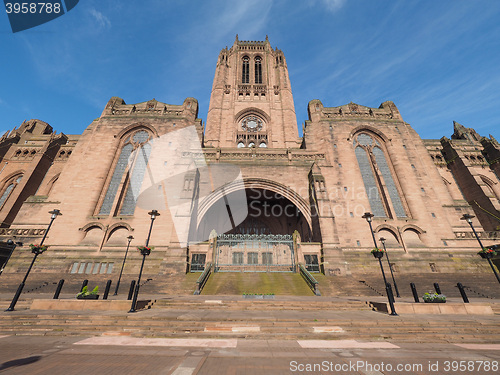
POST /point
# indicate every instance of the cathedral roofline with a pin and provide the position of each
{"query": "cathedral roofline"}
(386, 111)
(116, 106)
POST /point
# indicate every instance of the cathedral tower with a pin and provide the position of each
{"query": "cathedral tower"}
(251, 104)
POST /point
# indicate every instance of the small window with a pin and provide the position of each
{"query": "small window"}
(251, 144)
(312, 264)
(258, 70)
(267, 258)
(253, 258)
(245, 71)
(198, 262)
(263, 144)
(237, 258)
(241, 145)
(358, 243)
(74, 269)
(433, 214)
(351, 214)
(88, 269)
(82, 268)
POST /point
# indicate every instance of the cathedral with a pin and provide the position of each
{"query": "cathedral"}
(244, 191)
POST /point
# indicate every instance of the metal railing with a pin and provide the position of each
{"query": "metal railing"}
(309, 279)
(202, 280)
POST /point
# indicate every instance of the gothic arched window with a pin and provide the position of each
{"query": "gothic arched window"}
(377, 177)
(9, 186)
(245, 72)
(130, 167)
(258, 69)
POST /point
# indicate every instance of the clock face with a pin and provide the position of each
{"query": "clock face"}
(251, 124)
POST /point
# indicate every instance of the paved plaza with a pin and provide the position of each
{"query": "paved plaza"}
(189, 335)
(125, 355)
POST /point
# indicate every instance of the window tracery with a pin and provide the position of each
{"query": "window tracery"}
(11, 185)
(380, 185)
(126, 180)
(258, 70)
(245, 72)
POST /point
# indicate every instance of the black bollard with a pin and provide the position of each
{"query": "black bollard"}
(84, 284)
(437, 288)
(131, 290)
(58, 290)
(414, 292)
(462, 292)
(106, 291)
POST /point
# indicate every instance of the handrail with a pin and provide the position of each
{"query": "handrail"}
(309, 279)
(202, 280)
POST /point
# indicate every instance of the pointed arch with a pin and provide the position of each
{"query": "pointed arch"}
(136, 126)
(51, 183)
(491, 186)
(414, 227)
(256, 183)
(368, 128)
(9, 185)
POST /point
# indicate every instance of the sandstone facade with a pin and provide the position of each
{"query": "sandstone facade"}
(248, 159)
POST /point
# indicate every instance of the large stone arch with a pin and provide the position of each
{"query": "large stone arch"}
(255, 183)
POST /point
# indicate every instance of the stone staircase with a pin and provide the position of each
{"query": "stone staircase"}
(300, 318)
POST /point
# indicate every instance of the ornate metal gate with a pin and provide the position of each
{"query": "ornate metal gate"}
(254, 253)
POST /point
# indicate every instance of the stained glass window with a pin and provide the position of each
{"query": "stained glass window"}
(258, 70)
(371, 187)
(7, 191)
(245, 73)
(128, 175)
(120, 168)
(389, 182)
(136, 179)
(374, 168)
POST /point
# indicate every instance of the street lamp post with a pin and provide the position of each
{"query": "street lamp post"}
(37, 250)
(368, 216)
(382, 239)
(468, 218)
(129, 238)
(144, 252)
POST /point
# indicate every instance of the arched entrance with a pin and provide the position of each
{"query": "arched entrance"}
(254, 227)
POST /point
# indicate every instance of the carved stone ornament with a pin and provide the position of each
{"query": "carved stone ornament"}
(251, 124)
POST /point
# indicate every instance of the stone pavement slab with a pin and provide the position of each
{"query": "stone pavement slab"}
(81, 355)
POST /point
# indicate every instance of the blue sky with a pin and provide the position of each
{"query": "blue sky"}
(439, 61)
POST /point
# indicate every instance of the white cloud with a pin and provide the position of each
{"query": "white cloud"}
(100, 18)
(333, 5)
